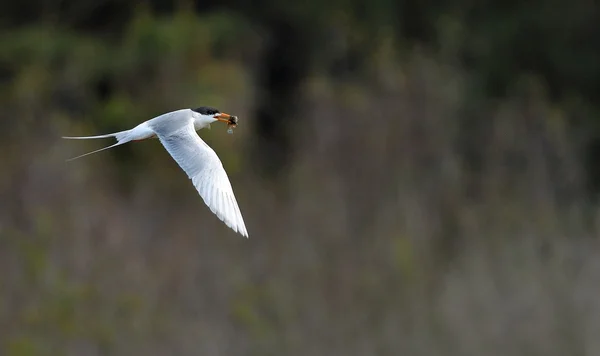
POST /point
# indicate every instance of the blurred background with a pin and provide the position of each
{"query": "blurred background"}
(417, 178)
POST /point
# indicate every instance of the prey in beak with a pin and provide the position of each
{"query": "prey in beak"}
(230, 120)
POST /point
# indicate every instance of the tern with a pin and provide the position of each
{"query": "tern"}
(176, 131)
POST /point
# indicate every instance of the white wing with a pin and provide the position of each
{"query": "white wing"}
(206, 171)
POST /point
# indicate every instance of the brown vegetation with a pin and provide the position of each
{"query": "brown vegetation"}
(414, 217)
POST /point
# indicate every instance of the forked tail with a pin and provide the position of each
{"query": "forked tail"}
(122, 137)
(140, 132)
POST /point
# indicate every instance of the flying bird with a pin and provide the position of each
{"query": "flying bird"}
(176, 131)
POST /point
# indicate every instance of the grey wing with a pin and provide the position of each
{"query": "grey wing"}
(206, 171)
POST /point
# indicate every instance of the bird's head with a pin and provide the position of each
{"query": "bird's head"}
(208, 115)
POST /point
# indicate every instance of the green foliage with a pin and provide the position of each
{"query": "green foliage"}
(248, 309)
(420, 214)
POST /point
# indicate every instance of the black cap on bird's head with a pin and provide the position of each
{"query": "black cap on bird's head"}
(206, 110)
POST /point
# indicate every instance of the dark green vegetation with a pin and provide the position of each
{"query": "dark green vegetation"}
(416, 179)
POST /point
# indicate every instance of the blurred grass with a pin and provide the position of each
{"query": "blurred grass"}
(392, 240)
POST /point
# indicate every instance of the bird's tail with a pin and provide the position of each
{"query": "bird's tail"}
(93, 137)
(89, 153)
(121, 137)
(140, 132)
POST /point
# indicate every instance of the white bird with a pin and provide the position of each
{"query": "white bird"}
(176, 130)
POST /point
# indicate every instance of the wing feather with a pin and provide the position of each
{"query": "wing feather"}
(204, 168)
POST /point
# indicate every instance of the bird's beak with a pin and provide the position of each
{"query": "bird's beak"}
(230, 120)
(223, 117)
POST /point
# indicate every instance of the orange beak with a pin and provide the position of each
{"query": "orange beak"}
(230, 120)
(223, 117)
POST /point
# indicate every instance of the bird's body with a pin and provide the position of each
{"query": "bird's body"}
(176, 131)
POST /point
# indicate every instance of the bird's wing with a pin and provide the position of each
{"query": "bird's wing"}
(206, 171)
